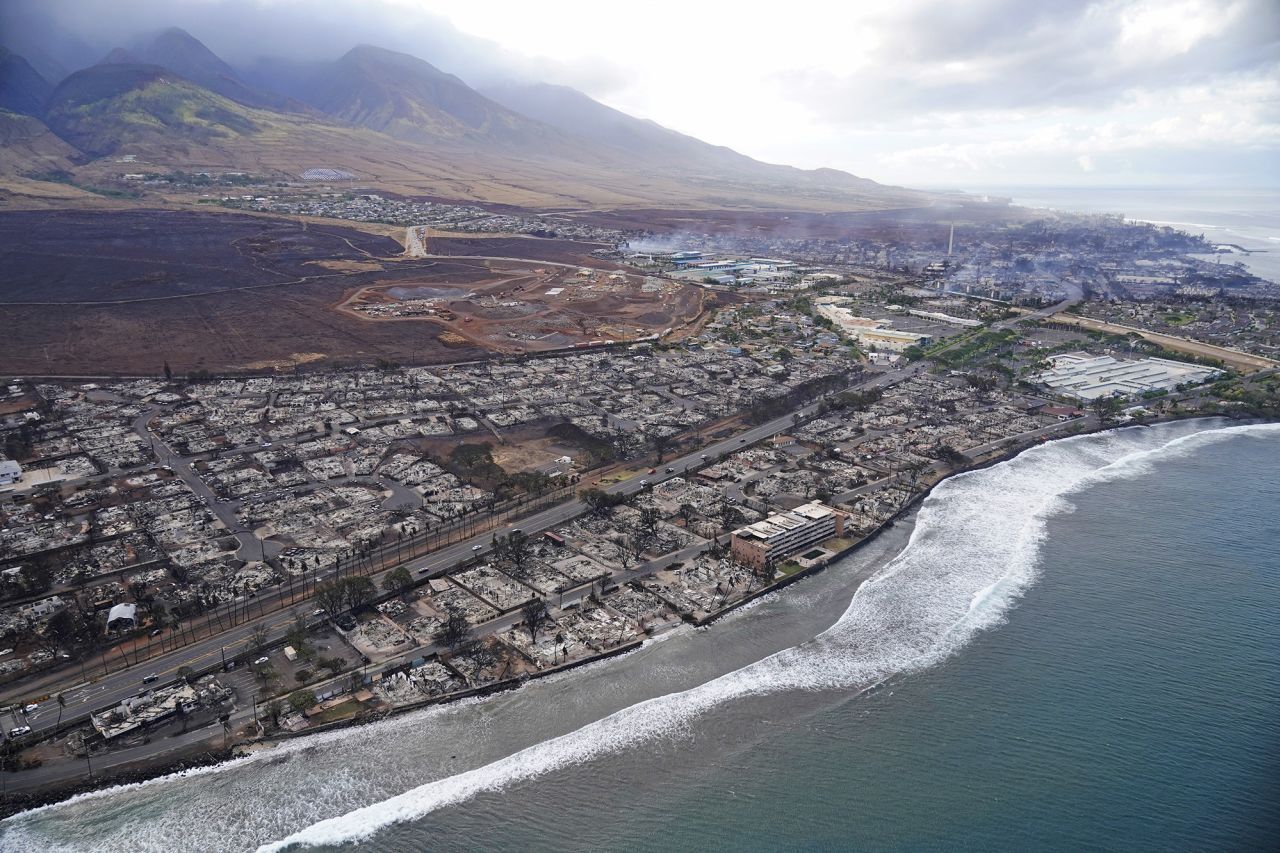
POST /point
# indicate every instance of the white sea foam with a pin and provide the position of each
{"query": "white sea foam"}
(971, 554)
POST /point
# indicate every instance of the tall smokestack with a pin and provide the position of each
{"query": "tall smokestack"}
(951, 239)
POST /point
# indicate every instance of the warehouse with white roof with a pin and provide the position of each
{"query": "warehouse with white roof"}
(1089, 377)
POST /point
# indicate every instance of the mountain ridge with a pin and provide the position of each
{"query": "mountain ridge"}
(397, 121)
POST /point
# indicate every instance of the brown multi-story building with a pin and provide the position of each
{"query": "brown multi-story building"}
(768, 542)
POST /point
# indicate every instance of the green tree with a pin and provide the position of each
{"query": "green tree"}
(358, 591)
(1105, 408)
(398, 580)
(599, 502)
(301, 700)
(331, 597)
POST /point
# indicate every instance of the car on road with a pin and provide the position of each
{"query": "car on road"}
(671, 470)
(260, 661)
(156, 633)
(19, 731)
(30, 709)
(703, 456)
(266, 444)
(151, 679)
(318, 612)
(475, 547)
(653, 470)
(644, 484)
(742, 440)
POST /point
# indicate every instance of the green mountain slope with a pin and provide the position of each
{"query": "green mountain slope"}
(103, 108)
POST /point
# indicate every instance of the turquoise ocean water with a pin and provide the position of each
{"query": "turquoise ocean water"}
(1075, 650)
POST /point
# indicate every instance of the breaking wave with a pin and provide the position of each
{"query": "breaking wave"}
(972, 554)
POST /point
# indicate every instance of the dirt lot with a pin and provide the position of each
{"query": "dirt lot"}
(527, 307)
(121, 292)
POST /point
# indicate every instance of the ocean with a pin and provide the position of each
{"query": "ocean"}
(1248, 218)
(1077, 649)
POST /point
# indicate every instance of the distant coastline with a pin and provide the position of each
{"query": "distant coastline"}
(1248, 219)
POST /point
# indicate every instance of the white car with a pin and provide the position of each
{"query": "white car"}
(260, 661)
(475, 547)
(19, 731)
(30, 709)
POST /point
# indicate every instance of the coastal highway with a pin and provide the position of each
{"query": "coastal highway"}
(165, 742)
(207, 654)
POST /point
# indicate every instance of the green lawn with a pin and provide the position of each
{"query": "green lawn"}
(340, 711)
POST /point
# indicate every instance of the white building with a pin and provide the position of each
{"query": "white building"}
(945, 318)
(779, 536)
(1089, 377)
(869, 332)
(10, 472)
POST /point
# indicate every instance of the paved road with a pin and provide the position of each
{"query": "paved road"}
(1074, 296)
(245, 686)
(82, 699)
(249, 549)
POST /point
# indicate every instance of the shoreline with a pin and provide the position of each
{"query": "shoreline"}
(161, 766)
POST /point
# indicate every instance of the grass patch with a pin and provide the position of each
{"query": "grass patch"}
(622, 475)
(341, 711)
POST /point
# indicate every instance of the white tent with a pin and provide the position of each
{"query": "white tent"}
(122, 612)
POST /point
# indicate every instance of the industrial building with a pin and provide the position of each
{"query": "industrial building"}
(967, 322)
(779, 536)
(869, 332)
(1089, 377)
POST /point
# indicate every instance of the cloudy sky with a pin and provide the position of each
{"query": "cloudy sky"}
(969, 93)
